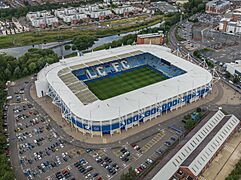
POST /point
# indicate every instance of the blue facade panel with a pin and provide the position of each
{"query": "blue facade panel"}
(147, 113)
(136, 118)
(96, 128)
(153, 110)
(106, 128)
(129, 120)
(164, 107)
(79, 124)
(115, 126)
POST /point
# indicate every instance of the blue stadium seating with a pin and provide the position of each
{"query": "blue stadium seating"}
(145, 59)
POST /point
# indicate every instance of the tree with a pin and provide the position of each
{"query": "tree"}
(199, 110)
(67, 47)
(236, 79)
(193, 6)
(25, 71)
(17, 72)
(7, 73)
(236, 172)
(228, 75)
(74, 47)
(201, 7)
(83, 42)
(129, 41)
(131, 175)
(189, 124)
(194, 10)
(49, 60)
(188, 116)
(32, 67)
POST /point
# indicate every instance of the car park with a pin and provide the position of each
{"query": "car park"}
(43, 151)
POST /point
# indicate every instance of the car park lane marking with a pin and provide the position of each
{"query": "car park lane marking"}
(153, 141)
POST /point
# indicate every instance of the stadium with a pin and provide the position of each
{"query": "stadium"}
(110, 91)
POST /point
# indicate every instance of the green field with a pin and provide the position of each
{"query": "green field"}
(121, 83)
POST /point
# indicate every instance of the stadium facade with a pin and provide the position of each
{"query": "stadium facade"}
(66, 83)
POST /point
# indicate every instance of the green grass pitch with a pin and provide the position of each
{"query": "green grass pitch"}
(121, 83)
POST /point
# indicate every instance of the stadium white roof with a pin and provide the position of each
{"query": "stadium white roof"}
(112, 108)
(201, 147)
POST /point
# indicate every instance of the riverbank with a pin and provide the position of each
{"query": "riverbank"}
(39, 37)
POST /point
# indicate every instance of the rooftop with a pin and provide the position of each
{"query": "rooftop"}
(149, 35)
(204, 143)
(129, 102)
(236, 65)
(198, 147)
(218, 2)
(171, 154)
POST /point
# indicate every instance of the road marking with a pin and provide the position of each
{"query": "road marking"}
(153, 141)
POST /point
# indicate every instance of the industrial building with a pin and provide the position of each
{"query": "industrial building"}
(217, 6)
(231, 23)
(163, 7)
(194, 154)
(152, 38)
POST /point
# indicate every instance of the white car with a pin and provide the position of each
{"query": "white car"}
(54, 135)
(150, 161)
(127, 153)
(42, 165)
(137, 171)
(122, 156)
(87, 176)
(85, 163)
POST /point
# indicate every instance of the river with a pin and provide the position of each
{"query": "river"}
(59, 50)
